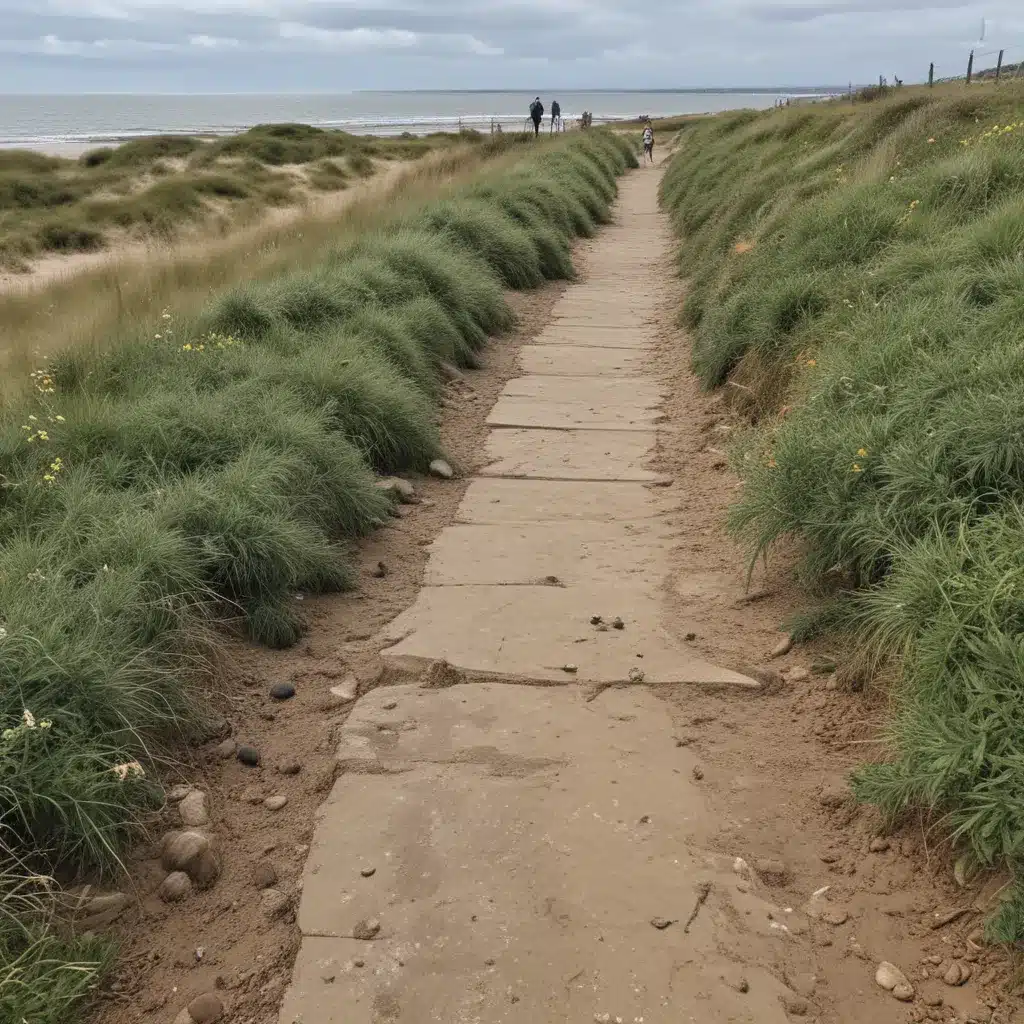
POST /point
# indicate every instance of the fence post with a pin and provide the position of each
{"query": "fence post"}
(970, 68)
(999, 65)
(931, 75)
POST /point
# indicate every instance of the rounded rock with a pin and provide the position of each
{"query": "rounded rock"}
(368, 872)
(206, 1009)
(205, 870)
(282, 691)
(440, 468)
(264, 875)
(904, 993)
(366, 930)
(176, 887)
(958, 974)
(879, 845)
(226, 749)
(889, 976)
(275, 803)
(181, 850)
(275, 904)
(289, 768)
(783, 647)
(178, 793)
(194, 810)
(249, 755)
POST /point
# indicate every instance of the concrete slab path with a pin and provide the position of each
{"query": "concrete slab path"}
(532, 845)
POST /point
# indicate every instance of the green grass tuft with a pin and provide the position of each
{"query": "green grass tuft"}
(877, 293)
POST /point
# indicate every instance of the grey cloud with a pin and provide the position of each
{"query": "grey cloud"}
(268, 45)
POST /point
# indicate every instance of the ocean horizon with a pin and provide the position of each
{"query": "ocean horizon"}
(34, 120)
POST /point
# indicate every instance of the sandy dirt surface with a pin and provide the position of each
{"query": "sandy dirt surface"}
(524, 847)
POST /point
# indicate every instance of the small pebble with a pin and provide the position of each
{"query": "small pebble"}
(275, 903)
(194, 809)
(835, 916)
(275, 803)
(248, 755)
(264, 875)
(570, 669)
(698, 774)
(206, 1009)
(661, 923)
(796, 1006)
(773, 872)
(958, 974)
(890, 977)
(289, 768)
(282, 691)
(359, 963)
(617, 623)
(690, 637)
(390, 706)
(368, 872)
(440, 468)
(381, 571)
(175, 887)
(596, 620)
(226, 749)
(178, 793)
(879, 845)
(799, 675)
(783, 647)
(366, 930)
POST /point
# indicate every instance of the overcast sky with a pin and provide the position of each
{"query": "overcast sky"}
(57, 46)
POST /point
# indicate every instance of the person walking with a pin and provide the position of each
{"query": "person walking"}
(648, 142)
(556, 116)
(536, 115)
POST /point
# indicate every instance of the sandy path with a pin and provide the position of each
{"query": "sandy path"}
(541, 852)
(519, 839)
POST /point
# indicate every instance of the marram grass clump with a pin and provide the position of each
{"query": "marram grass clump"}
(860, 274)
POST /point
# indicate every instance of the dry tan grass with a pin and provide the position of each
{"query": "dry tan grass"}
(109, 298)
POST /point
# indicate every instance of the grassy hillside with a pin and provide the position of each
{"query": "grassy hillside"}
(858, 285)
(193, 478)
(155, 186)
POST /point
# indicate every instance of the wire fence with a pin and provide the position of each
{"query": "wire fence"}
(982, 65)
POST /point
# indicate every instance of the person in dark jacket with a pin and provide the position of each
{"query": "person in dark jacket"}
(536, 115)
(556, 116)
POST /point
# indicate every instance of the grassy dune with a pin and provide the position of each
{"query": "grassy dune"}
(193, 478)
(116, 299)
(154, 187)
(858, 285)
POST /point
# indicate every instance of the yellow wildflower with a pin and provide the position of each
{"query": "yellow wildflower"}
(862, 453)
(812, 362)
(856, 468)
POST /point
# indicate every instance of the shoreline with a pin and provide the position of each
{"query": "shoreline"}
(43, 131)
